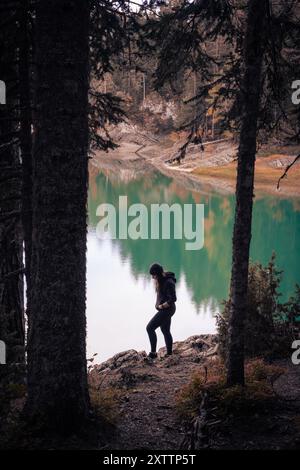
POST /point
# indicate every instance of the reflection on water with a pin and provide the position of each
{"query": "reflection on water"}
(120, 293)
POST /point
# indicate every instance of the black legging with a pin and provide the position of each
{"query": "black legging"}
(162, 319)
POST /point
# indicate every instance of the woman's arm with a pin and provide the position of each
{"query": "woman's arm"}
(170, 295)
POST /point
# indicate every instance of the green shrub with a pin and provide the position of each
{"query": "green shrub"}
(256, 397)
(270, 326)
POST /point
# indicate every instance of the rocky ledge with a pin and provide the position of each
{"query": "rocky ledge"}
(194, 349)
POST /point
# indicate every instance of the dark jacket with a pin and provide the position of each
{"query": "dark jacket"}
(167, 291)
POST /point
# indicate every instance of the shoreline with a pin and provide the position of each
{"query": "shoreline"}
(213, 170)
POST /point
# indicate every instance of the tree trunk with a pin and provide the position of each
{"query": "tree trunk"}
(251, 90)
(57, 371)
(11, 242)
(25, 137)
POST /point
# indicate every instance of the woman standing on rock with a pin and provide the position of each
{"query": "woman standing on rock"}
(165, 304)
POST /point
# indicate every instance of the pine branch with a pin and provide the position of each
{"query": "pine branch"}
(8, 215)
(12, 175)
(8, 144)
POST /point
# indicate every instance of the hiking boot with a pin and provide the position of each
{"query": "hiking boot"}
(152, 355)
(166, 355)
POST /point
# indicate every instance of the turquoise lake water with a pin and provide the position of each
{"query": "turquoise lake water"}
(120, 293)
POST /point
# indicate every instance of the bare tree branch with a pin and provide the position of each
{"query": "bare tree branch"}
(12, 274)
(286, 170)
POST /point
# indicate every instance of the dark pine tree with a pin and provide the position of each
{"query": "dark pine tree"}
(57, 372)
(251, 94)
(11, 258)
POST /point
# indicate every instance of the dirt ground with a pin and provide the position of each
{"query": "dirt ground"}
(148, 417)
(145, 408)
